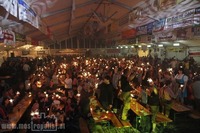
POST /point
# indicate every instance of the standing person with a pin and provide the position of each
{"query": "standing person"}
(196, 92)
(115, 82)
(54, 80)
(153, 102)
(125, 95)
(84, 101)
(166, 96)
(26, 69)
(4, 109)
(182, 79)
(68, 83)
(106, 93)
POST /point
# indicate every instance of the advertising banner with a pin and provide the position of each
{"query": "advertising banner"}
(166, 36)
(159, 25)
(194, 53)
(8, 37)
(27, 14)
(145, 29)
(181, 20)
(196, 31)
(197, 16)
(10, 6)
(19, 37)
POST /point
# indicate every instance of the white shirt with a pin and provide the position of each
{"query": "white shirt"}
(68, 83)
(26, 67)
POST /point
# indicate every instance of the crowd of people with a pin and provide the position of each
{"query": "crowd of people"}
(72, 80)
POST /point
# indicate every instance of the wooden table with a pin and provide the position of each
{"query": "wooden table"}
(141, 111)
(103, 116)
(58, 116)
(138, 109)
(179, 108)
(17, 113)
(5, 77)
(160, 118)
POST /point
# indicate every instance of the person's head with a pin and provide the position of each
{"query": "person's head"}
(126, 72)
(2, 82)
(5, 101)
(70, 93)
(151, 82)
(10, 90)
(107, 79)
(69, 101)
(116, 69)
(180, 71)
(67, 75)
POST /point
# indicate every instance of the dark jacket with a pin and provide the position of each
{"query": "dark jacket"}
(106, 94)
(125, 86)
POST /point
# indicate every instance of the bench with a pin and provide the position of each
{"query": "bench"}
(160, 118)
(16, 114)
(98, 116)
(83, 126)
(178, 108)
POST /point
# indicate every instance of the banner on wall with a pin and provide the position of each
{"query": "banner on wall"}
(194, 53)
(159, 25)
(197, 16)
(19, 37)
(128, 34)
(196, 31)
(7, 36)
(10, 6)
(165, 36)
(145, 39)
(145, 29)
(182, 20)
(181, 34)
(27, 14)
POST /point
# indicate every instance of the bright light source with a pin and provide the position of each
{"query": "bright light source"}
(126, 47)
(117, 47)
(139, 46)
(176, 44)
(160, 45)
(132, 46)
(121, 47)
(148, 46)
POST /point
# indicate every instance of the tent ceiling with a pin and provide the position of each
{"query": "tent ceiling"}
(65, 18)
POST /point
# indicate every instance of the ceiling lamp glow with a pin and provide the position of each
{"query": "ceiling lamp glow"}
(176, 44)
(160, 45)
(148, 46)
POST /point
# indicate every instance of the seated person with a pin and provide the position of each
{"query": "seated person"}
(4, 108)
